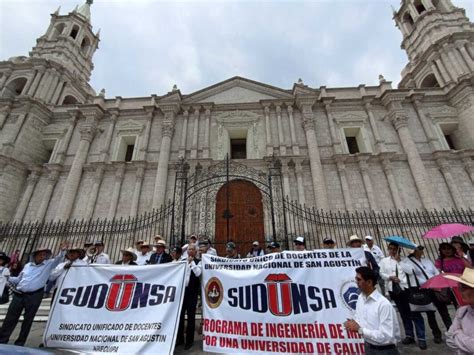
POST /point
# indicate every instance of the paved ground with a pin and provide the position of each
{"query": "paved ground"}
(36, 335)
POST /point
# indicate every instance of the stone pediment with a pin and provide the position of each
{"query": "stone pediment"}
(238, 90)
(129, 126)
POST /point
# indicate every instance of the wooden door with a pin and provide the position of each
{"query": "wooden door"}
(245, 216)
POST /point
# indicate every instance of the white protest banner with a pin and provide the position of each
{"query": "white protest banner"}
(290, 302)
(117, 309)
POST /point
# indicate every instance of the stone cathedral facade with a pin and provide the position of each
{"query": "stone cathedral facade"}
(67, 152)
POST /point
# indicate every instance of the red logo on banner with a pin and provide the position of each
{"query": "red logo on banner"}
(120, 292)
(214, 292)
(279, 294)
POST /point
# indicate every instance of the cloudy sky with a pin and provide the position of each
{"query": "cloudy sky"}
(149, 45)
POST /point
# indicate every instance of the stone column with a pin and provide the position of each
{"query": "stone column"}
(184, 134)
(294, 142)
(52, 86)
(195, 133)
(4, 112)
(469, 166)
(94, 191)
(136, 191)
(4, 78)
(205, 151)
(450, 69)
(392, 184)
(104, 152)
(299, 183)
(426, 124)
(379, 142)
(62, 151)
(28, 84)
(466, 57)
(146, 136)
(9, 143)
(317, 174)
(445, 168)
(39, 74)
(437, 74)
(47, 193)
(286, 180)
(25, 199)
(44, 84)
(364, 170)
(457, 60)
(335, 137)
(59, 89)
(346, 192)
(68, 197)
(444, 73)
(268, 130)
(116, 191)
(281, 138)
(161, 179)
(417, 168)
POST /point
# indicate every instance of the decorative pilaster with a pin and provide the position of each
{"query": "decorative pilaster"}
(379, 142)
(445, 168)
(268, 130)
(5, 77)
(207, 128)
(335, 138)
(445, 62)
(9, 144)
(281, 139)
(184, 134)
(58, 90)
(52, 86)
(317, 175)
(294, 142)
(195, 133)
(468, 165)
(94, 191)
(4, 112)
(341, 168)
(437, 74)
(417, 167)
(119, 173)
(364, 170)
(87, 131)
(34, 86)
(444, 73)
(299, 183)
(136, 191)
(45, 84)
(105, 150)
(466, 56)
(47, 193)
(146, 135)
(392, 184)
(286, 180)
(31, 182)
(426, 124)
(167, 131)
(62, 152)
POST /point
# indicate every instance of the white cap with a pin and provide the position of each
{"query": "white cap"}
(369, 237)
(299, 239)
(256, 244)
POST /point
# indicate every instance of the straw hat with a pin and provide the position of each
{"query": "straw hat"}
(131, 252)
(353, 238)
(467, 277)
(40, 249)
(161, 243)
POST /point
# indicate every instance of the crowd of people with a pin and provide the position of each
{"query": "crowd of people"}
(382, 280)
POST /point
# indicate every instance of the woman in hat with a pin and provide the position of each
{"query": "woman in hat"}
(4, 275)
(449, 261)
(460, 335)
(128, 257)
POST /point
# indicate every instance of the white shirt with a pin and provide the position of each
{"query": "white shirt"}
(427, 265)
(376, 252)
(4, 274)
(143, 259)
(34, 276)
(378, 319)
(59, 272)
(101, 258)
(388, 267)
(195, 268)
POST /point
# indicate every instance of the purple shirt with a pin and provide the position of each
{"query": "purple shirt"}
(454, 265)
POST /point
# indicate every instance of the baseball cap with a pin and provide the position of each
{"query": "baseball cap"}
(273, 245)
(299, 240)
(328, 240)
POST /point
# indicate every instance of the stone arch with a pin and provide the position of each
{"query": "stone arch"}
(419, 6)
(429, 81)
(15, 87)
(74, 31)
(70, 100)
(85, 45)
(408, 21)
(58, 30)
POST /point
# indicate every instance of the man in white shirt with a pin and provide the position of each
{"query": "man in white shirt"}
(28, 293)
(143, 255)
(375, 318)
(374, 249)
(193, 287)
(74, 258)
(100, 257)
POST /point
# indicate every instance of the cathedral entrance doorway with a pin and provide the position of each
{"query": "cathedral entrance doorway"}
(239, 216)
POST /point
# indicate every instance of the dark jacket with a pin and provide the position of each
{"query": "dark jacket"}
(130, 263)
(165, 258)
(371, 263)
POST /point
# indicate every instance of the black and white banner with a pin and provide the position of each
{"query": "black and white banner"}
(290, 302)
(118, 309)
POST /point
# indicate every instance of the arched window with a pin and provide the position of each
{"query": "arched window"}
(429, 82)
(408, 22)
(15, 87)
(57, 30)
(74, 31)
(85, 45)
(419, 6)
(70, 100)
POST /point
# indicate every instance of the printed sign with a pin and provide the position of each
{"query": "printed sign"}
(289, 302)
(118, 309)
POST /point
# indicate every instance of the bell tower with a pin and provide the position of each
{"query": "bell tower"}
(69, 41)
(439, 41)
